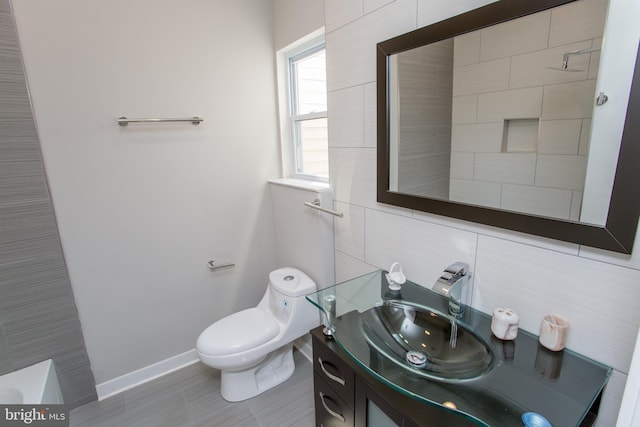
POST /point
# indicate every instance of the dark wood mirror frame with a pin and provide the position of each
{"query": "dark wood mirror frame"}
(618, 234)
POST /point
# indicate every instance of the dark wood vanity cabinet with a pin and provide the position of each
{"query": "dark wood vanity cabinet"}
(346, 396)
(334, 386)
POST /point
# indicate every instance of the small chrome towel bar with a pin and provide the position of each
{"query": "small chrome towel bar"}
(316, 205)
(124, 121)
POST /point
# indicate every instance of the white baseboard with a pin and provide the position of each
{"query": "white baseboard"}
(143, 375)
(303, 344)
(163, 367)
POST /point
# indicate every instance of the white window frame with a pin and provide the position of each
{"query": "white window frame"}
(305, 46)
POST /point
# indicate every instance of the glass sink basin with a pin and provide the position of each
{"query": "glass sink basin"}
(491, 382)
(426, 342)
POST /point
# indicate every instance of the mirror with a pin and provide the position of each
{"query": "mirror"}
(487, 117)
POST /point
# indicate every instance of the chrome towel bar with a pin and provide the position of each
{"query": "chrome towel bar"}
(124, 121)
(316, 205)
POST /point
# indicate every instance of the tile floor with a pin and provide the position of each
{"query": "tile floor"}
(191, 397)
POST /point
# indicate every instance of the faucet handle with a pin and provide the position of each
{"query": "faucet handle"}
(455, 271)
(450, 284)
(450, 276)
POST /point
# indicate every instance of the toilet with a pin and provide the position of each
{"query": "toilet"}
(253, 348)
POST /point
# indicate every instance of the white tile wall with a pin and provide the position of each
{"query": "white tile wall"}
(481, 137)
(348, 267)
(430, 11)
(423, 248)
(544, 67)
(535, 282)
(510, 168)
(500, 233)
(370, 96)
(585, 137)
(526, 34)
(561, 171)
(475, 192)
(346, 114)
(569, 100)
(594, 59)
(566, 30)
(339, 13)
(466, 49)
(599, 291)
(537, 89)
(371, 5)
(353, 175)
(510, 104)
(351, 60)
(481, 77)
(559, 136)
(465, 109)
(550, 202)
(462, 165)
(349, 230)
(576, 206)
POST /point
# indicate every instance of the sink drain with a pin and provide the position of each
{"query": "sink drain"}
(417, 358)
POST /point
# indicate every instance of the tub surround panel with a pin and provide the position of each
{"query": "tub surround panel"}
(38, 316)
(581, 283)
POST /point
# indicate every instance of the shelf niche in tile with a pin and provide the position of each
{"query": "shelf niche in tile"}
(520, 136)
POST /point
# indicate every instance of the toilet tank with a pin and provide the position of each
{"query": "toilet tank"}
(287, 289)
(303, 235)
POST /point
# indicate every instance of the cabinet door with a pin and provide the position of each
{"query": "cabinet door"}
(331, 410)
(372, 410)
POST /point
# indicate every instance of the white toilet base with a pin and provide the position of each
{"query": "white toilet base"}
(276, 368)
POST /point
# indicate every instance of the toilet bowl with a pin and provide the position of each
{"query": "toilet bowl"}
(253, 348)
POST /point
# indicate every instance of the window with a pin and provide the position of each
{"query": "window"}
(307, 137)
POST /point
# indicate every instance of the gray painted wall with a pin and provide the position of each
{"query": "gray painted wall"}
(38, 317)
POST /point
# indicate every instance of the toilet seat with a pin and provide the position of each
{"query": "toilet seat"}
(238, 332)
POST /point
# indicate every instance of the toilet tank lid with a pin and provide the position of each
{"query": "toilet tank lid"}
(291, 282)
(238, 332)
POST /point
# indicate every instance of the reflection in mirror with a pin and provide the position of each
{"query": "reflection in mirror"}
(503, 131)
(499, 117)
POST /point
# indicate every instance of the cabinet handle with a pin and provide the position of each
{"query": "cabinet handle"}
(329, 374)
(330, 411)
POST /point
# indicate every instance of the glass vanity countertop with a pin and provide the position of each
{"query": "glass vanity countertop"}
(525, 377)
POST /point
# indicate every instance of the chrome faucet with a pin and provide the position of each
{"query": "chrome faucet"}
(450, 284)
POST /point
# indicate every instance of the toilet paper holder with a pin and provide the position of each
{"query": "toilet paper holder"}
(213, 266)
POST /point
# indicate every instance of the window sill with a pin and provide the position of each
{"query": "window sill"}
(315, 186)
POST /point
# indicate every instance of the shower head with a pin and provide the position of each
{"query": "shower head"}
(567, 55)
(567, 70)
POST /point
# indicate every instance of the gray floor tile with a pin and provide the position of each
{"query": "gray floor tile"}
(190, 397)
(168, 410)
(97, 412)
(290, 402)
(168, 384)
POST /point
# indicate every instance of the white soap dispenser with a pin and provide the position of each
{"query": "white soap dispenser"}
(395, 277)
